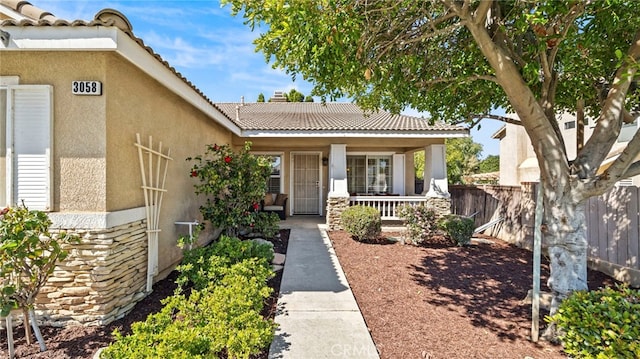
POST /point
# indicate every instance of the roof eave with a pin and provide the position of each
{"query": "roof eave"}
(356, 134)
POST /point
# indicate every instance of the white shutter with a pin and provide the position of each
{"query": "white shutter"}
(30, 130)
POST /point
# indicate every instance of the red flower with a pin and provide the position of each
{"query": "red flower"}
(227, 159)
(4, 211)
(251, 225)
(256, 206)
(216, 147)
(194, 173)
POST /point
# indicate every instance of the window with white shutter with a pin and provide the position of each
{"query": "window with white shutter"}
(27, 145)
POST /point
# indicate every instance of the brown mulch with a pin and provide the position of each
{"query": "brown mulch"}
(82, 342)
(446, 302)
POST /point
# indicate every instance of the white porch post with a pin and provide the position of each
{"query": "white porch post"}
(338, 197)
(435, 171)
(338, 171)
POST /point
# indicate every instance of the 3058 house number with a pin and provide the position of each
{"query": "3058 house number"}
(86, 88)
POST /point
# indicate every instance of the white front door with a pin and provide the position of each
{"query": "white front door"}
(306, 183)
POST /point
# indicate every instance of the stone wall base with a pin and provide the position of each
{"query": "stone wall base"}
(441, 205)
(335, 207)
(100, 281)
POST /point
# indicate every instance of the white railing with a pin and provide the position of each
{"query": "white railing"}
(387, 205)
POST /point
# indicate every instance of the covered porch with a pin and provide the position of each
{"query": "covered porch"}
(384, 183)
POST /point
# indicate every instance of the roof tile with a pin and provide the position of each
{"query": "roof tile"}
(335, 116)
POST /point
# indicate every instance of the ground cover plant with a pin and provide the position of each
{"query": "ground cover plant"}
(215, 311)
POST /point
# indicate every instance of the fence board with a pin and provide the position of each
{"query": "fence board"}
(613, 220)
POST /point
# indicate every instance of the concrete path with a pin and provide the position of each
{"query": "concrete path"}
(317, 314)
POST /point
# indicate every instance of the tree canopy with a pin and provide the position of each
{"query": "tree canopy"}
(463, 158)
(489, 164)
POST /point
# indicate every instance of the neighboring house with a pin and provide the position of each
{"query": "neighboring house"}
(518, 162)
(73, 96)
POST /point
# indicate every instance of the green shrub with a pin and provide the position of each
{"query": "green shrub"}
(600, 324)
(458, 228)
(201, 266)
(420, 223)
(220, 317)
(266, 223)
(362, 223)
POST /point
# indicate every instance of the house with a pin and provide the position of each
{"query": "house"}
(90, 116)
(518, 162)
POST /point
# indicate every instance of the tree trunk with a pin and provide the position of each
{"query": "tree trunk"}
(565, 234)
(27, 328)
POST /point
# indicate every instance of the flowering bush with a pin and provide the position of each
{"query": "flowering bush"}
(233, 183)
(420, 222)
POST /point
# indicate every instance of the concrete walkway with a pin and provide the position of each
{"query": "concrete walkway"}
(317, 314)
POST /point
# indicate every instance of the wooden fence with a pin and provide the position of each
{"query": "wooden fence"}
(613, 222)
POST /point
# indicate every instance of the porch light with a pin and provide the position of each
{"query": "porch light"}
(325, 161)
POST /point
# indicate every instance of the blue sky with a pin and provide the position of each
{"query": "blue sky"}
(210, 48)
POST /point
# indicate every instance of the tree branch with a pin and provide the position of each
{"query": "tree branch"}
(610, 120)
(633, 170)
(465, 80)
(621, 165)
(478, 117)
(482, 11)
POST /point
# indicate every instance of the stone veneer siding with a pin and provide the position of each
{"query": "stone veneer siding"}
(440, 205)
(335, 207)
(100, 281)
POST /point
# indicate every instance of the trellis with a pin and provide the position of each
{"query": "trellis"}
(153, 185)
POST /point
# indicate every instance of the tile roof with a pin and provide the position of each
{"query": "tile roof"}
(332, 116)
(34, 16)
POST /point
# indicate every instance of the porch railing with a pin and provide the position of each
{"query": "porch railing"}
(387, 205)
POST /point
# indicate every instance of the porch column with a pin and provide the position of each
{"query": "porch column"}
(409, 174)
(435, 179)
(435, 171)
(338, 197)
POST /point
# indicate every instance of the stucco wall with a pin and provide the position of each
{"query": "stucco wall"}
(96, 166)
(79, 123)
(136, 103)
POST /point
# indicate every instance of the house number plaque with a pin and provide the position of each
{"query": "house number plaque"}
(91, 88)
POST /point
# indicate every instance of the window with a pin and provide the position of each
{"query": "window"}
(274, 183)
(569, 125)
(25, 141)
(369, 174)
